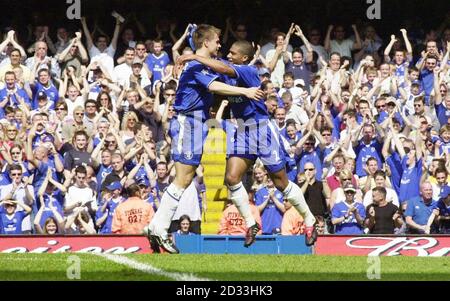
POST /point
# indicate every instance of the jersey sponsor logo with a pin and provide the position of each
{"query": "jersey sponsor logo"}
(235, 99)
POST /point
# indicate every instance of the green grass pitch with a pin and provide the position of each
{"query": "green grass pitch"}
(223, 267)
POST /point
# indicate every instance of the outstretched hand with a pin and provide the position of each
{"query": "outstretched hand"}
(255, 93)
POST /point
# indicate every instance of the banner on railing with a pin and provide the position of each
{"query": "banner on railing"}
(434, 246)
(82, 244)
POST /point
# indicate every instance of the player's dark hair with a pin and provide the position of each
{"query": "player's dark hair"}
(245, 48)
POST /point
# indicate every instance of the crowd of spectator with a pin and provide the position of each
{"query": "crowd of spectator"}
(364, 125)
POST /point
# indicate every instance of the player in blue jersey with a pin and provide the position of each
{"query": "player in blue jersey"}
(254, 138)
(188, 131)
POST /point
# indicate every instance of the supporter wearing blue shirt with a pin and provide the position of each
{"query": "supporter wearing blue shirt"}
(49, 219)
(269, 201)
(44, 84)
(11, 218)
(419, 209)
(369, 146)
(427, 77)
(348, 215)
(307, 152)
(105, 214)
(41, 161)
(157, 61)
(441, 212)
(443, 109)
(412, 172)
(13, 92)
(395, 166)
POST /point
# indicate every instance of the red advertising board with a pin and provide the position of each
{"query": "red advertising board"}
(435, 246)
(60, 244)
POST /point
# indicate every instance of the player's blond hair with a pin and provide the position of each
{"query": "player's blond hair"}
(204, 32)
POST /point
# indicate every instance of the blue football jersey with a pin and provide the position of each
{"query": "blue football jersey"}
(192, 93)
(241, 106)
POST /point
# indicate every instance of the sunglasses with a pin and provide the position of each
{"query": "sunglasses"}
(110, 142)
(309, 169)
(349, 192)
(347, 179)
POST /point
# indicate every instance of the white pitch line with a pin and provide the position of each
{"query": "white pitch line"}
(149, 269)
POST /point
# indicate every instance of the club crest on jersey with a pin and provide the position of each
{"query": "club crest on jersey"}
(188, 155)
(205, 72)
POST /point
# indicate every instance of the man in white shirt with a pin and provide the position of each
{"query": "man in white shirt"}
(295, 112)
(79, 196)
(122, 72)
(341, 45)
(290, 85)
(46, 62)
(101, 51)
(136, 78)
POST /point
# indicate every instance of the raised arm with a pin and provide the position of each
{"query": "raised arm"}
(62, 56)
(309, 49)
(214, 64)
(357, 44)
(16, 45)
(87, 33)
(224, 89)
(116, 33)
(388, 49)
(274, 60)
(179, 42)
(437, 94)
(89, 229)
(82, 51)
(409, 48)
(29, 149)
(327, 41)
(285, 53)
(38, 217)
(222, 107)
